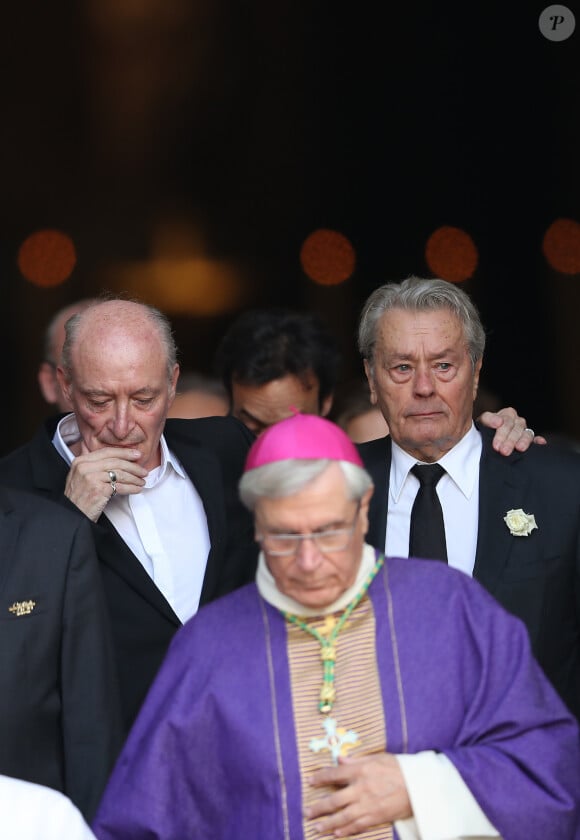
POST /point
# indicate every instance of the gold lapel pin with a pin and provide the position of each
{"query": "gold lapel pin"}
(22, 607)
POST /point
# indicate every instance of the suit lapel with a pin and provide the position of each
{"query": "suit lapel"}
(204, 474)
(113, 551)
(376, 456)
(500, 489)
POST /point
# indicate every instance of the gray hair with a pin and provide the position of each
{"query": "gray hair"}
(159, 320)
(284, 478)
(416, 294)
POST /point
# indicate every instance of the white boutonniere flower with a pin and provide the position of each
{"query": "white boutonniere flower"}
(520, 524)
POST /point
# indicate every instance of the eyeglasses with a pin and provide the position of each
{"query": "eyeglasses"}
(286, 545)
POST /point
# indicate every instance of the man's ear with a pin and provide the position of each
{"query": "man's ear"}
(364, 508)
(326, 405)
(173, 383)
(48, 383)
(65, 385)
(476, 373)
(371, 381)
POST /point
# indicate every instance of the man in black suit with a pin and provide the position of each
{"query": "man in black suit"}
(513, 523)
(60, 717)
(162, 496)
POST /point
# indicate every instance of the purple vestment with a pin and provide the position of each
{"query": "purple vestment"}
(212, 755)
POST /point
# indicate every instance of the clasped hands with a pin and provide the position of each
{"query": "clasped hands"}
(370, 791)
(89, 485)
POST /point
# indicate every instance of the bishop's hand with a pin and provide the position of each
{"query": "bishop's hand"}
(370, 791)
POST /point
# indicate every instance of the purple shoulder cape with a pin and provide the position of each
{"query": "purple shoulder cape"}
(212, 754)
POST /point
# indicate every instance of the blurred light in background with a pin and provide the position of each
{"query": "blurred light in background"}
(180, 278)
(194, 286)
(451, 254)
(47, 258)
(561, 246)
(327, 257)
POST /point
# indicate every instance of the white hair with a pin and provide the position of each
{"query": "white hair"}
(416, 294)
(284, 478)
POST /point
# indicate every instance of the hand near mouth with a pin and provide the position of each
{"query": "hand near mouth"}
(89, 485)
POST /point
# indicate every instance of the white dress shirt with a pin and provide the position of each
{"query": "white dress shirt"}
(164, 525)
(34, 812)
(458, 493)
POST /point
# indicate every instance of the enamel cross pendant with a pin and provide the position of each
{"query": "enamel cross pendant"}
(337, 741)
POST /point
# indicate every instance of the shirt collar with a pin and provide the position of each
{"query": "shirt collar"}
(461, 464)
(67, 434)
(270, 592)
(168, 460)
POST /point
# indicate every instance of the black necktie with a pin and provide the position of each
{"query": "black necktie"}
(427, 532)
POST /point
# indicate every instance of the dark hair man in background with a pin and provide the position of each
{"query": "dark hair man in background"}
(273, 361)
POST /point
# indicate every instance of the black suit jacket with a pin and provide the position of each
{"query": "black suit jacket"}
(60, 718)
(537, 578)
(212, 452)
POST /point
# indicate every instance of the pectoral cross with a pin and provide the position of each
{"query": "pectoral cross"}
(337, 742)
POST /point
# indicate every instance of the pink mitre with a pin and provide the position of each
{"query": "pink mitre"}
(302, 436)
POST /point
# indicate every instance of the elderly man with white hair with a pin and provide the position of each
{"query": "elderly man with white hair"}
(344, 693)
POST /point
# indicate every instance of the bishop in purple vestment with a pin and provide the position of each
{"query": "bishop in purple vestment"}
(344, 694)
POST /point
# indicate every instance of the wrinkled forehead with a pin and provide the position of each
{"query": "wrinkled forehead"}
(401, 328)
(130, 361)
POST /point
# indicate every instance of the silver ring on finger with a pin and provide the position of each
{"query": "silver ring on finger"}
(531, 431)
(113, 480)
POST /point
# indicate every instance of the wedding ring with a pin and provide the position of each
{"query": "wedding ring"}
(113, 480)
(531, 431)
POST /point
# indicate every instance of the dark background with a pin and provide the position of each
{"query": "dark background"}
(226, 132)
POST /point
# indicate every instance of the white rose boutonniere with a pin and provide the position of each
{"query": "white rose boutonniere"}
(520, 524)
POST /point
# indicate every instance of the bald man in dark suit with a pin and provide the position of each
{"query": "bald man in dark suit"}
(161, 495)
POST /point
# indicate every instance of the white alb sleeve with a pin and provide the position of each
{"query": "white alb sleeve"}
(443, 806)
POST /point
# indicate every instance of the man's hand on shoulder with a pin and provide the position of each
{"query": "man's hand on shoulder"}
(511, 431)
(88, 483)
(370, 791)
